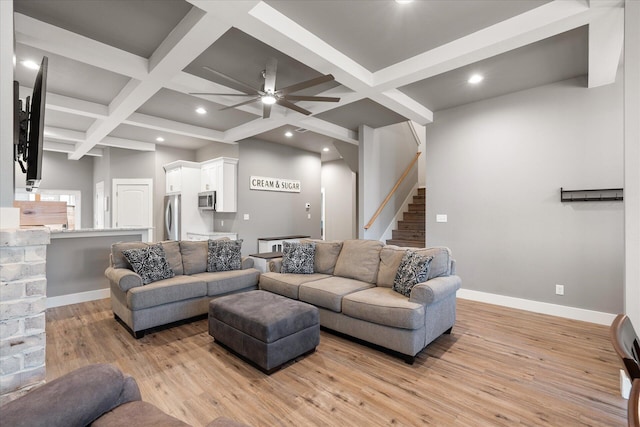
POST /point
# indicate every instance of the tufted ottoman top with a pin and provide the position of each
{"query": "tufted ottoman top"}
(263, 315)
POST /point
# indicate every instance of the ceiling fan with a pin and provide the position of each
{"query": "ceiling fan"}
(269, 95)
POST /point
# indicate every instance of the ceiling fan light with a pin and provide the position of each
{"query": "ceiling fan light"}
(269, 99)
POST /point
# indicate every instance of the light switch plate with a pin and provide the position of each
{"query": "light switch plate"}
(441, 218)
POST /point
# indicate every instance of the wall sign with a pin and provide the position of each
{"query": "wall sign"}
(274, 184)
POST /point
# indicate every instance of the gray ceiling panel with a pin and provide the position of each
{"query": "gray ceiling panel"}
(365, 111)
(136, 26)
(180, 107)
(380, 33)
(557, 58)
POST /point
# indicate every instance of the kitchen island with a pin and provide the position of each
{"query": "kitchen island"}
(76, 260)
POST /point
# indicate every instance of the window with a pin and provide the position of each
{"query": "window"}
(72, 197)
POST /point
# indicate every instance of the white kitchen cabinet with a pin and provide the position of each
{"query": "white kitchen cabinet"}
(181, 175)
(221, 175)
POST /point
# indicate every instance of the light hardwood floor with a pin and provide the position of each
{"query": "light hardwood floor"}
(500, 367)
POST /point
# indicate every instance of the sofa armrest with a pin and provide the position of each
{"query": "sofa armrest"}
(74, 399)
(435, 290)
(275, 265)
(247, 262)
(124, 278)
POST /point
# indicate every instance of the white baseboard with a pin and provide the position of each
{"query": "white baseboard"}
(76, 298)
(539, 307)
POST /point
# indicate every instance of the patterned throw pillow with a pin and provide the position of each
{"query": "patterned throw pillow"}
(413, 269)
(298, 257)
(150, 263)
(224, 255)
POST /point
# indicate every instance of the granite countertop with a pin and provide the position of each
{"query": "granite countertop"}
(97, 230)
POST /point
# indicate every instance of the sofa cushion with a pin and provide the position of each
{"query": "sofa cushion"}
(139, 413)
(224, 255)
(150, 263)
(298, 257)
(391, 256)
(223, 282)
(174, 257)
(359, 259)
(326, 255)
(328, 293)
(194, 256)
(165, 291)
(414, 269)
(287, 284)
(385, 307)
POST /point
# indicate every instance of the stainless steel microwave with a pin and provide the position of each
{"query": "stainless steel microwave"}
(207, 201)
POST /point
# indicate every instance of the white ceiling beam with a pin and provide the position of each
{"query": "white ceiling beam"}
(74, 46)
(404, 105)
(537, 24)
(70, 105)
(61, 147)
(323, 127)
(606, 40)
(130, 144)
(193, 34)
(284, 34)
(164, 125)
(61, 134)
(256, 127)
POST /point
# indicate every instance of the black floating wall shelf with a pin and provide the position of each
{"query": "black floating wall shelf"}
(599, 195)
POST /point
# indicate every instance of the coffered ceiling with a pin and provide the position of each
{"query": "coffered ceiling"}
(121, 73)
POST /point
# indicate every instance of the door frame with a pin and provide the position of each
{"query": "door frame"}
(131, 181)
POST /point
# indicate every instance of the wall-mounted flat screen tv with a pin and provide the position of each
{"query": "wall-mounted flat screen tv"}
(29, 128)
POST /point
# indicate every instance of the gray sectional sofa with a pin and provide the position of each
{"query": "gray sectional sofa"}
(352, 287)
(181, 297)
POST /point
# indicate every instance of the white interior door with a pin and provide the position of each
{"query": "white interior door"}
(132, 204)
(99, 206)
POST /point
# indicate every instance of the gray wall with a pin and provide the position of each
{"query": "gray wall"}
(339, 184)
(496, 167)
(384, 155)
(273, 213)
(60, 173)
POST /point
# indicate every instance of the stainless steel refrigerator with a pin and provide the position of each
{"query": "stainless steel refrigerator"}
(172, 217)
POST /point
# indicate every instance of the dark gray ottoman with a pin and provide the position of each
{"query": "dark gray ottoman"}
(265, 328)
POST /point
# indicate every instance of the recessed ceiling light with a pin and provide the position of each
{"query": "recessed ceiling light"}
(325, 149)
(403, 1)
(160, 139)
(201, 110)
(475, 79)
(288, 134)
(32, 65)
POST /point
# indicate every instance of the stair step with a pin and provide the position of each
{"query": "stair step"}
(411, 225)
(421, 192)
(419, 199)
(416, 207)
(408, 243)
(408, 234)
(415, 216)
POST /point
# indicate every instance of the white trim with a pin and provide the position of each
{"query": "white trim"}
(77, 298)
(574, 313)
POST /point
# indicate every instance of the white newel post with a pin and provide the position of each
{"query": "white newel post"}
(23, 286)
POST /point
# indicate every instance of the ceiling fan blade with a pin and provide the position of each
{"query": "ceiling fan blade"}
(311, 98)
(292, 106)
(270, 76)
(220, 94)
(303, 85)
(266, 111)
(246, 88)
(240, 104)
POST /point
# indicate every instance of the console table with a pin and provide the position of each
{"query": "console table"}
(274, 244)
